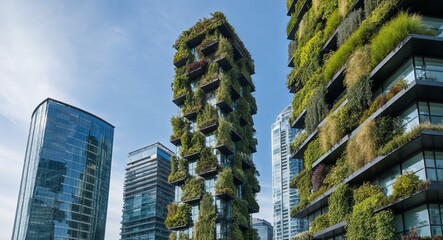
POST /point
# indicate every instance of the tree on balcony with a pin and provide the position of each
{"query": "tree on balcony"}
(207, 161)
(225, 183)
(179, 126)
(193, 189)
(178, 215)
(207, 117)
(178, 169)
(224, 133)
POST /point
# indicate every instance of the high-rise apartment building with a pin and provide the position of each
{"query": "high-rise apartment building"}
(65, 180)
(147, 193)
(368, 81)
(263, 228)
(284, 168)
(214, 172)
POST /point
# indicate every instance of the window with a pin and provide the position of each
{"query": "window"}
(434, 165)
(191, 168)
(210, 140)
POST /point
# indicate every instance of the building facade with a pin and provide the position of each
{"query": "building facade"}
(263, 228)
(65, 180)
(367, 77)
(214, 170)
(147, 193)
(284, 169)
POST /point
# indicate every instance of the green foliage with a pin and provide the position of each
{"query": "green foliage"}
(306, 235)
(178, 215)
(292, 46)
(299, 140)
(197, 143)
(338, 173)
(173, 236)
(385, 226)
(312, 153)
(236, 233)
(315, 111)
(392, 33)
(318, 176)
(183, 52)
(249, 196)
(332, 22)
(205, 227)
(207, 161)
(225, 183)
(383, 99)
(400, 140)
(358, 67)
(340, 204)
(180, 85)
(211, 74)
(240, 212)
(387, 129)
(223, 92)
(336, 125)
(179, 126)
(207, 117)
(291, 22)
(344, 6)
(183, 236)
(243, 109)
(303, 183)
(370, 5)
(223, 133)
(193, 189)
(178, 169)
(405, 185)
(209, 39)
(358, 38)
(193, 102)
(359, 98)
(360, 224)
(349, 25)
(321, 222)
(225, 50)
(363, 147)
(365, 191)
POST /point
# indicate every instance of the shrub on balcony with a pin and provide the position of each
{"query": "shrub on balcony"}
(178, 169)
(193, 102)
(405, 185)
(178, 215)
(223, 133)
(186, 143)
(357, 66)
(306, 235)
(361, 224)
(303, 184)
(225, 183)
(193, 189)
(299, 140)
(336, 126)
(236, 233)
(365, 191)
(338, 172)
(197, 143)
(370, 5)
(383, 99)
(251, 178)
(172, 236)
(359, 98)
(340, 204)
(225, 50)
(312, 153)
(207, 117)
(240, 212)
(249, 196)
(183, 236)
(318, 176)
(387, 129)
(205, 226)
(315, 111)
(209, 39)
(321, 222)
(223, 93)
(210, 75)
(197, 64)
(180, 85)
(344, 6)
(179, 126)
(392, 33)
(385, 225)
(332, 22)
(207, 161)
(349, 24)
(183, 52)
(292, 46)
(362, 148)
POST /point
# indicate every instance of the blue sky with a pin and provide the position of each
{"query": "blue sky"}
(114, 59)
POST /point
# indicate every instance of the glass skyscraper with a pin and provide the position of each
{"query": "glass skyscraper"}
(147, 193)
(263, 228)
(283, 170)
(65, 180)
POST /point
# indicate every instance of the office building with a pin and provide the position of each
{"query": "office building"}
(65, 180)
(368, 83)
(214, 170)
(263, 228)
(284, 169)
(147, 193)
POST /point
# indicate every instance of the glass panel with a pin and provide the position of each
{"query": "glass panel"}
(413, 164)
(436, 230)
(405, 72)
(439, 159)
(434, 214)
(416, 218)
(434, 64)
(409, 118)
(423, 231)
(419, 62)
(432, 175)
(423, 108)
(399, 223)
(434, 24)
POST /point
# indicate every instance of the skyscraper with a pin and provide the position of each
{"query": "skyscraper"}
(147, 193)
(263, 228)
(214, 170)
(65, 180)
(368, 83)
(284, 168)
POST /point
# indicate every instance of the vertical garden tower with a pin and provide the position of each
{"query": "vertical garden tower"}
(367, 80)
(214, 173)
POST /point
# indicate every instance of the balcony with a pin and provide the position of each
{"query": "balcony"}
(224, 63)
(234, 93)
(224, 196)
(206, 87)
(178, 182)
(194, 74)
(223, 105)
(176, 141)
(210, 48)
(209, 128)
(299, 153)
(192, 200)
(298, 15)
(237, 179)
(181, 62)
(223, 148)
(335, 87)
(195, 41)
(291, 8)
(252, 209)
(247, 163)
(244, 81)
(332, 231)
(192, 156)
(235, 136)
(299, 122)
(209, 172)
(318, 203)
(179, 100)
